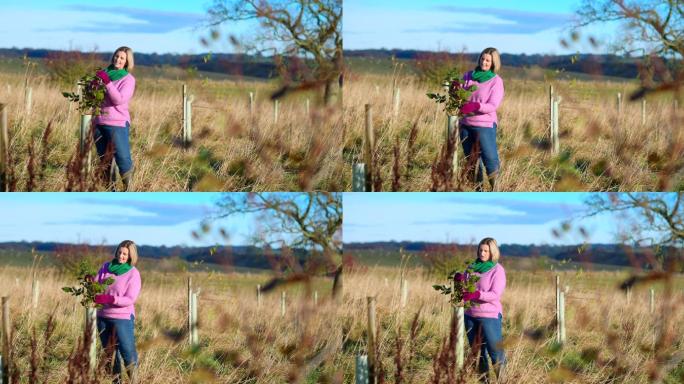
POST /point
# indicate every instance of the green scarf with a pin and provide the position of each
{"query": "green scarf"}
(480, 266)
(117, 268)
(115, 74)
(482, 76)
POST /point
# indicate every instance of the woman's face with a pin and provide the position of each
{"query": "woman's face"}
(119, 60)
(486, 62)
(484, 252)
(122, 255)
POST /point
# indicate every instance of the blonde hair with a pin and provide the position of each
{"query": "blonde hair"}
(130, 62)
(132, 251)
(496, 59)
(493, 249)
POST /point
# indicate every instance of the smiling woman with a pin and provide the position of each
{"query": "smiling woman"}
(112, 129)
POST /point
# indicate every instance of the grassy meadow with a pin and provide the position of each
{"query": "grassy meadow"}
(600, 150)
(231, 149)
(609, 339)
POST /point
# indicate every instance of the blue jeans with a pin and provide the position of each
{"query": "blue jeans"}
(118, 137)
(125, 340)
(490, 337)
(488, 152)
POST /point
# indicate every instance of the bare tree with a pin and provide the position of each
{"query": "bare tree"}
(658, 23)
(651, 219)
(310, 220)
(308, 28)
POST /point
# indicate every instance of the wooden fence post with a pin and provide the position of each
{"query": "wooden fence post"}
(557, 306)
(193, 330)
(4, 149)
(361, 371)
(359, 177)
(28, 94)
(6, 338)
(629, 295)
(371, 340)
(459, 318)
(369, 146)
(91, 330)
(308, 110)
(643, 111)
(315, 298)
(282, 303)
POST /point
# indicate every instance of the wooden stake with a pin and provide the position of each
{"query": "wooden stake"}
(28, 101)
(652, 300)
(315, 298)
(643, 111)
(554, 138)
(83, 133)
(185, 112)
(557, 308)
(404, 292)
(451, 129)
(619, 104)
(275, 111)
(397, 101)
(258, 293)
(35, 292)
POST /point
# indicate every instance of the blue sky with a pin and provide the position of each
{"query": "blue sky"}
(521, 218)
(530, 26)
(169, 26)
(108, 218)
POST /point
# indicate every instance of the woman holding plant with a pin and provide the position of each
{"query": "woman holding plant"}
(116, 318)
(483, 319)
(479, 122)
(113, 124)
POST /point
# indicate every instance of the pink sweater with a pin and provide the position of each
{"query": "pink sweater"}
(125, 290)
(489, 94)
(115, 106)
(491, 286)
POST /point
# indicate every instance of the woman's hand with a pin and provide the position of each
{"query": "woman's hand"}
(470, 296)
(470, 107)
(104, 76)
(104, 299)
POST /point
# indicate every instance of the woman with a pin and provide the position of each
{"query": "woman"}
(113, 124)
(116, 318)
(480, 121)
(483, 320)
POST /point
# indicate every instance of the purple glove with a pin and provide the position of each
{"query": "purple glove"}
(104, 76)
(460, 277)
(104, 299)
(470, 296)
(470, 107)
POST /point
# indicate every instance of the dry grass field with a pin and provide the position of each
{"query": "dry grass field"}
(600, 150)
(609, 340)
(231, 150)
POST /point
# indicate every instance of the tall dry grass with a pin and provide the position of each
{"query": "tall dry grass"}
(608, 340)
(599, 149)
(230, 151)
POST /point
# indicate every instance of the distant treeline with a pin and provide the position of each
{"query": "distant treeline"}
(610, 254)
(604, 65)
(236, 256)
(230, 64)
